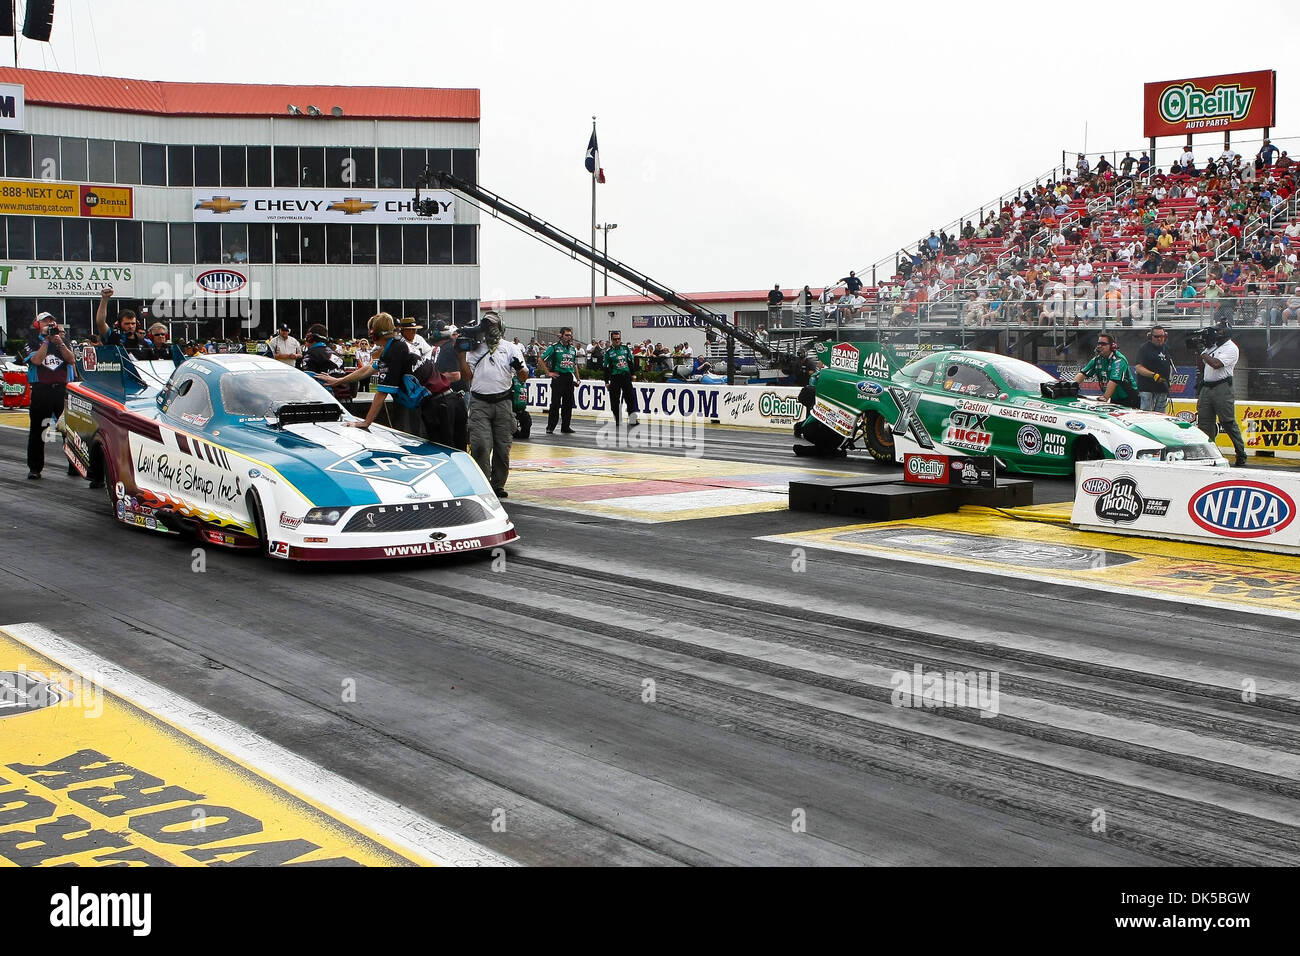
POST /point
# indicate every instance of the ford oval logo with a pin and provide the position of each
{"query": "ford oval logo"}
(1241, 509)
(1095, 486)
(221, 281)
(1075, 425)
(868, 389)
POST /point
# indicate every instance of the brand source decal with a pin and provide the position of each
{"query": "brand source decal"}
(1241, 509)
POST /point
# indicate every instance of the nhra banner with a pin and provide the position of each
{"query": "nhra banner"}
(755, 406)
(1222, 506)
(347, 205)
(1210, 104)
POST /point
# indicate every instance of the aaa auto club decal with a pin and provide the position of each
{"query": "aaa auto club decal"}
(1241, 509)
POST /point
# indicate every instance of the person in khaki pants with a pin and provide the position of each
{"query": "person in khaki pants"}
(1216, 405)
(490, 369)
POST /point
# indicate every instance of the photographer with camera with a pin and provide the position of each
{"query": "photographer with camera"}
(560, 363)
(1216, 404)
(1112, 371)
(489, 366)
(1154, 366)
(50, 367)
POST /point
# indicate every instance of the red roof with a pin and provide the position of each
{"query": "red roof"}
(608, 300)
(117, 94)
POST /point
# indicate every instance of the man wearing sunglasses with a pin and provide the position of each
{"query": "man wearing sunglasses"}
(1113, 373)
(1154, 368)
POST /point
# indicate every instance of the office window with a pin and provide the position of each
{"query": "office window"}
(45, 157)
(19, 232)
(207, 243)
(130, 245)
(101, 161)
(440, 159)
(259, 166)
(234, 243)
(182, 243)
(259, 242)
(338, 244)
(440, 310)
(103, 240)
(417, 309)
(288, 312)
(413, 161)
(153, 165)
(18, 155)
(128, 162)
(392, 306)
(3, 245)
(207, 166)
(390, 245)
(339, 171)
(155, 242)
(180, 165)
(339, 321)
(363, 245)
(286, 243)
(415, 245)
(72, 166)
(362, 310)
(464, 311)
(439, 244)
(49, 238)
(312, 160)
(313, 244)
(363, 159)
(390, 170)
(313, 311)
(464, 165)
(286, 166)
(76, 240)
(234, 166)
(465, 245)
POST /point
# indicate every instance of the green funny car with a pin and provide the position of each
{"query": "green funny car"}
(960, 402)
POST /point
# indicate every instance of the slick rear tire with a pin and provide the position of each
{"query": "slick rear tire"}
(878, 438)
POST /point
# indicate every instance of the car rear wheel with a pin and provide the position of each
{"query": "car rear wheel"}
(879, 439)
(99, 466)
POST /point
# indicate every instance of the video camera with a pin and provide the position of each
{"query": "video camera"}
(473, 335)
(1203, 340)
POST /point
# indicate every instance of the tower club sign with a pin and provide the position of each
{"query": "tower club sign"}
(1211, 104)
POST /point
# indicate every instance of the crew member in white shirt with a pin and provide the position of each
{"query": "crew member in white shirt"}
(1216, 405)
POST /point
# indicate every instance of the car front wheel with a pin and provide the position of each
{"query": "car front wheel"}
(879, 439)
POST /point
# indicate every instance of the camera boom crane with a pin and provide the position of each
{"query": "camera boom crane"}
(440, 179)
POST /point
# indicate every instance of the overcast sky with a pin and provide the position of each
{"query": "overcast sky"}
(744, 144)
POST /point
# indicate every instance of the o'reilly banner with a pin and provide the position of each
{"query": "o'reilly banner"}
(55, 279)
(230, 204)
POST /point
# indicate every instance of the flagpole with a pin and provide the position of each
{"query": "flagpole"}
(595, 174)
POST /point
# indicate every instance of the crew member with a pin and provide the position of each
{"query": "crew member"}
(488, 369)
(410, 330)
(1113, 373)
(452, 418)
(1153, 368)
(523, 420)
(559, 363)
(320, 359)
(128, 334)
(1216, 405)
(50, 366)
(285, 348)
(617, 366)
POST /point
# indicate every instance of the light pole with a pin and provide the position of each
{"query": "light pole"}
(606, 228)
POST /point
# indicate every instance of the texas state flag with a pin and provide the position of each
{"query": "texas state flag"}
(593, 159)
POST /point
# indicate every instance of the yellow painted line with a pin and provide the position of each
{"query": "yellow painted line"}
(91, 777)
(986, 541)
(622, 484)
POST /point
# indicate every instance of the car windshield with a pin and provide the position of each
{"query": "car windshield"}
(1018, 375)
(258, 394)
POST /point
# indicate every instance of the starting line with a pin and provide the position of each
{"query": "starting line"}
(100, 767)
(1049, 550)
(647, 488)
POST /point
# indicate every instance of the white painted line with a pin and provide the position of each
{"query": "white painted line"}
(394, 822)
(1098, 584)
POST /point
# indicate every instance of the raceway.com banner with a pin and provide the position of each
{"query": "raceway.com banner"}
(755, 406)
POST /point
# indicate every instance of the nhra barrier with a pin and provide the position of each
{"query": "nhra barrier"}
(1225, 506)
(752, 406)
(1267, 427)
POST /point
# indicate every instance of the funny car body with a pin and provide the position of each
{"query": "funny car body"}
(960, 402)
(246, 452)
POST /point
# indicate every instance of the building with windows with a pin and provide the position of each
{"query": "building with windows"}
(227, 209)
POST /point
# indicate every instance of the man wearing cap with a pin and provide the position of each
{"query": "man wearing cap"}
(320, 359)
(410, 330)
(128, 334)
(50, 366)
(285, 348)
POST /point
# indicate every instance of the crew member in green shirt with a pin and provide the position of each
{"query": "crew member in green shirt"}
(559, 363)
(1113, 373)
(617, 366)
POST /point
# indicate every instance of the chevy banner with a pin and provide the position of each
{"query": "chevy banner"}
(346, 205)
